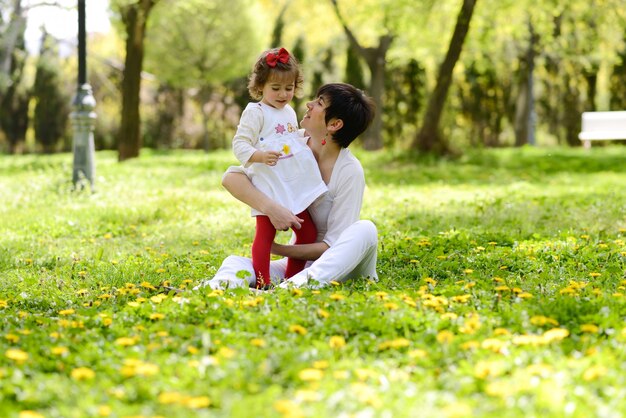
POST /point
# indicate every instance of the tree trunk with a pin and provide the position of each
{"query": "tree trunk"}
(429, 139)
(525, 109)
(376, 60)
(134, 17)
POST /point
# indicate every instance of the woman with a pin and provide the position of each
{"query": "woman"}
(346, 247)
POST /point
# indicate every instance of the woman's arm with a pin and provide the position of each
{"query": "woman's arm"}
(300, 251)
(240, 186)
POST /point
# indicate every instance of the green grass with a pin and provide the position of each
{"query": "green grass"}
(502, 293)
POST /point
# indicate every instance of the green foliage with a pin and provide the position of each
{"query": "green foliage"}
(502, 293)
(52, 101)
(200, 43)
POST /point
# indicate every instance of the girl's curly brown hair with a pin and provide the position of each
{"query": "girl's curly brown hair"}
(261, 73)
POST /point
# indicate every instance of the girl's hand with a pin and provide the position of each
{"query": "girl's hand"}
(270, 157)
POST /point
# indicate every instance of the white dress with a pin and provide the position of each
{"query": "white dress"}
(295, 181)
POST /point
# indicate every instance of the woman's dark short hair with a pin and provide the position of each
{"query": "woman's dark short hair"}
(352, 106)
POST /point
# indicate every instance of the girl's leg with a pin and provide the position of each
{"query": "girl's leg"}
(307, 234)
(261, 247)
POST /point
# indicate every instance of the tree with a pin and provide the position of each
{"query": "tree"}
(52, 103)
(10, 36)
(201, 45)
(428, 138)
(134, 16)
(376, 60)
(14, 94)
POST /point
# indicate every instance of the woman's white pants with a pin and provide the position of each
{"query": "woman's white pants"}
(352, 256)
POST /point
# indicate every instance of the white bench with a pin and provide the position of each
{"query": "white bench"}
(597, 126)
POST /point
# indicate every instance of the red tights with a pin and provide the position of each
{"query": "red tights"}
(262, 245)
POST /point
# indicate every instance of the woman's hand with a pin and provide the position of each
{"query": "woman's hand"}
(240, 186)
(281, 217)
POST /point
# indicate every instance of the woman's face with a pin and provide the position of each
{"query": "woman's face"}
(314, 119)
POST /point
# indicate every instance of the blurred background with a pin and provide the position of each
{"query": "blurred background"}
(496, 73)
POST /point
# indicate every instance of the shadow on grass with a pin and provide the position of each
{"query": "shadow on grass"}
(496, 166)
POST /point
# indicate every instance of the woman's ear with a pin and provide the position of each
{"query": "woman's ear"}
(334, 125)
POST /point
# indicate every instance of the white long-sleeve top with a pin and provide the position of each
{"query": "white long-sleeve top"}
(295, 181)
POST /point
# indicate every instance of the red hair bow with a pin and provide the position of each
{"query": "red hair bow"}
(273, 59)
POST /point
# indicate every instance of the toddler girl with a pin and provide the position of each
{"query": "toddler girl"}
(276, 157)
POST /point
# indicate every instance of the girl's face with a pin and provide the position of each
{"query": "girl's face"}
(314, 119)
(278, 90)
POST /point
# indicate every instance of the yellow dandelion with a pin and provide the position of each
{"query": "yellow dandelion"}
(12, 338)
(258, 342)
(430, 281)
(336, 342)
(104, 410)
(541, 320)
(297, 329)
(484, 369)
(321, 364)
(468, 271)
(158, 298)
(322, 313)
(29, 414)
(66, 312)
(590, 328)
(311, 375)
(286, 149)
(287, 408)
(493, 344)
(59, 350)
(16, 355)
(147, 285)
(445, 337)
(169, 398)
(226, 352)
(594, 274)
(126, 341)
(391, 306)
(156, 316)
(340, 374)
(197, 402)
(540, 369)
(470, 345)
(335, 283)
(417, 354)
(555, 334)
(82, 373)
(337, 296)
(449, 316)
(461, 298)
(594, 373)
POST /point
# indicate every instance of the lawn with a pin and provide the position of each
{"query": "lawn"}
(502, 292)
